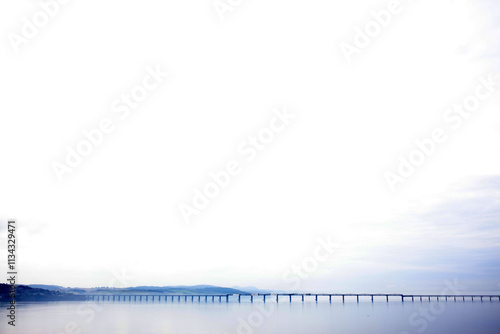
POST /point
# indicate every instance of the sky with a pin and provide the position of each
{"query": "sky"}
(301, 136)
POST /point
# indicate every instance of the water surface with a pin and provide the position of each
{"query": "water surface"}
(296, 317)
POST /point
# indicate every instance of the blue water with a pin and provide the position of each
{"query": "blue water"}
(246, 318)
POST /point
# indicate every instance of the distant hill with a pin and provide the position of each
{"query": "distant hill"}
(56, 288)
(43, 292)
(252, 289)
(196, 289)
(47, 287)
(26, 293)
(177, 289)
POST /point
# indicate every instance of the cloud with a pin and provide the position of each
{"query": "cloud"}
(29, 226)
(453, 234)
(483, 42)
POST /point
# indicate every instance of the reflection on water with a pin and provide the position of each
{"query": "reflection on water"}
(246, 318)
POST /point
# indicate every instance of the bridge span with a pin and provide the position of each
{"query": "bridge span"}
(290, 296)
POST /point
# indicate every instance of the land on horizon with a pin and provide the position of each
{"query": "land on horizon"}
(42, 292)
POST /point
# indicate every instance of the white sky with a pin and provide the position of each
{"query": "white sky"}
(324, 175)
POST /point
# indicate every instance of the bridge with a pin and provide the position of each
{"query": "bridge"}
(300, 296)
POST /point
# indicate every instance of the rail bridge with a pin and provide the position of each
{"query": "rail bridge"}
(289, 296)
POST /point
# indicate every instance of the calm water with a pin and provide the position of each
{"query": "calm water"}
(246, 318)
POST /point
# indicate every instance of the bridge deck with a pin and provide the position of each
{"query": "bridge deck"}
(276, 296)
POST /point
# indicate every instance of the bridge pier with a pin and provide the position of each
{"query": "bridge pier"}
(118, 297)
